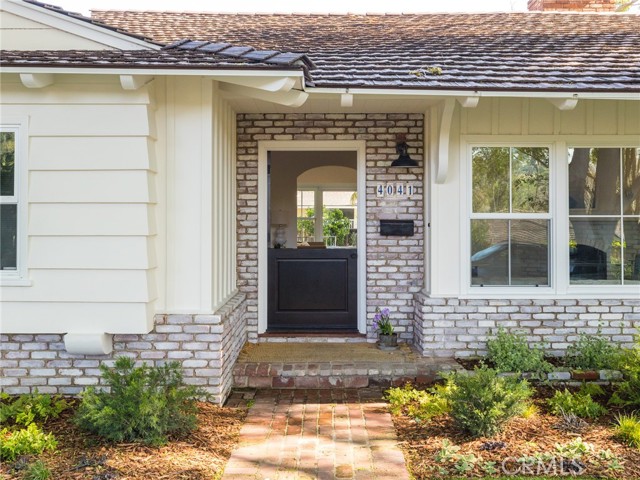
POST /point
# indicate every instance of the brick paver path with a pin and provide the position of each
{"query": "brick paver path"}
(317, 434)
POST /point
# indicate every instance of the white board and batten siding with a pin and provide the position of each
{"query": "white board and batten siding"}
(510, 120)
(91, 262)
(201, 189)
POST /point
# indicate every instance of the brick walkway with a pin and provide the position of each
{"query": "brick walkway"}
(317, 434)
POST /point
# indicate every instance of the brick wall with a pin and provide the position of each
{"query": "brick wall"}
(446, 327)
(207, 346)
(572, 5)
(394, 264)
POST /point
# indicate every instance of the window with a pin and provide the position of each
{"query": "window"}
(604, 216)
(510, 216)
(8, 202)
(12, 212)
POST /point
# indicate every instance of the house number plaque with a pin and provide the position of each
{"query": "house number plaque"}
(395, 190)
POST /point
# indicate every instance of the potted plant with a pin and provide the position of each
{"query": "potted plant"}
(387, 339)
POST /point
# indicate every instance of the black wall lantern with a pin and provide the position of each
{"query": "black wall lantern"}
(404, 160)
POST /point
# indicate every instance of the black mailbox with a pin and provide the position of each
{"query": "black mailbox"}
(396, 228)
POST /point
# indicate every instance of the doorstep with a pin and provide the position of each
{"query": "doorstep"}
(333, 365)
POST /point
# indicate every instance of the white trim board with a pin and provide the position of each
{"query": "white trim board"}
(358, 146)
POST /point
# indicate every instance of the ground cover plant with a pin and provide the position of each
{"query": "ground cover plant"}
(580, 403)
(22, 435)
(536, 443)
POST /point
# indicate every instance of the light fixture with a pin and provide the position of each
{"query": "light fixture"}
(404, 160)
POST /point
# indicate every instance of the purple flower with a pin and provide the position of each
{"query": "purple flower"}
(385, 312)
(377, 317)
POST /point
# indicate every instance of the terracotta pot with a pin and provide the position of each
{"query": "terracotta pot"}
(388, 342)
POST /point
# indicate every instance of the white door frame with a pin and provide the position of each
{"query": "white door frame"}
(358, 146)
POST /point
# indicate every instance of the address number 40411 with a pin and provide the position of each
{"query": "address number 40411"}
(404, 190)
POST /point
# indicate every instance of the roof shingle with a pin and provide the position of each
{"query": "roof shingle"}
(498, 51)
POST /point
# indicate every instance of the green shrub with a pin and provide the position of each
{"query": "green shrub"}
(26, 441)
(580, 404)
(483, 402)
(627, 392)
(37, 471)
(628, 429)
(510, 352)
(29, 408)
(418, 404)
(144, 403)
(592, 352)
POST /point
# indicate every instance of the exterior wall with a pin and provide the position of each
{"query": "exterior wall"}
(573, 5)
(207, 347)
(452, 320)
(200, 196)
(24, 26)
(92, 208)
(394, 264)
(460, 327)
(131, 224)
(510, 120)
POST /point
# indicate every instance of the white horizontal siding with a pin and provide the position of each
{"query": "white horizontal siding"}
(114, 253)
(85, 120)
(91, 153)
(91, 213)
(119, 286)
(91, 187)
(90, 219)
(63, 317)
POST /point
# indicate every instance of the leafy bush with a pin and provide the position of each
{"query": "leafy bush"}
(30, 408)
(144, 403)
(580, 404)
(26, 441)
(628, 391)
(592, 353)
(628, 429)
(418, 404)
(510, 352)
(483, 402)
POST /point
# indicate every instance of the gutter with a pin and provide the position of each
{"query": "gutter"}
(418, 92)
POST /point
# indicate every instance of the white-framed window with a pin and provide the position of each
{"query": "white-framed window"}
(510, 219)
(13, 202)
(604, 215)
(557, 218)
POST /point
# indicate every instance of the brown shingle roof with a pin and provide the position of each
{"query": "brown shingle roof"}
(497, 51)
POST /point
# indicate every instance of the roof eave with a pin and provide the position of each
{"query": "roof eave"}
(611, 94)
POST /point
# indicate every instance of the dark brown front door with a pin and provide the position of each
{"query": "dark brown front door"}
(313, 289)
